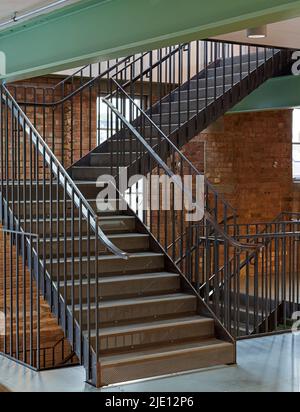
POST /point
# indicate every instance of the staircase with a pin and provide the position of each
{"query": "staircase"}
(129, 313)
(126, 305)
(186, 110)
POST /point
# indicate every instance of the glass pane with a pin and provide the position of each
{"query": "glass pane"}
(107, 120)
(296, 125)
(296, 161)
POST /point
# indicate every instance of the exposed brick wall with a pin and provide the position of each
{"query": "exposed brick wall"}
(69, 128)
(51, 350)
(248, 157)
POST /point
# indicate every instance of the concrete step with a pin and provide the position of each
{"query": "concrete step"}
(109, 224)
(124, 286)
(141, 308)
(165, 359)
(227, 67)
(130, 143)
(138, 262)
(134, 335)
(107, 159)
(129, 242)
(43, 208)
(92, 172)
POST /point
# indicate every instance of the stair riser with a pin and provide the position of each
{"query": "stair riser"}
(245, 57)
(41, 206)
(236, 68)
(58, 209)
(190, 360)
(92, 173)
(66, 227)
(89, 191)
(130, 244)
(132, 144)
(39, 209)
(123, 289)
(184, 106)
(112, 266)
(193, 95)
(106, 159)
(173, 118)
(34, 193)
(128, 224)
(155, 336)
(142, 311)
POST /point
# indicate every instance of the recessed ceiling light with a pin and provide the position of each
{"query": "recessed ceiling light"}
(257, 32)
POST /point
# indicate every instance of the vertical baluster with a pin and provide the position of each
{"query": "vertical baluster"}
(97, 341)
(206, 70)
(31, 219)
(215, 70)
(5, 272)
(88, 286)
(1, 155)
(80, 273)
(283, 270)
(65, 256)
(57, 241)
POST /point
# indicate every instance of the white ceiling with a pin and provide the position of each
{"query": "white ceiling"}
(9, 7)
(282, 34)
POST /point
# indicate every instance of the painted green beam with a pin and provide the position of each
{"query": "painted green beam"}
(91, 30)
(276, 93)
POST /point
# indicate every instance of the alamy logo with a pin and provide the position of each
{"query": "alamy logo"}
(159, 192)
(296, 64)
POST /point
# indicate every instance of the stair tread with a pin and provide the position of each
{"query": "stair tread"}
(139, 300)
(157, 324)
(92, 237)
(109, 257)
(108, 153)
(124, 278)
(162, 351)
(113, 217)
(69, 218)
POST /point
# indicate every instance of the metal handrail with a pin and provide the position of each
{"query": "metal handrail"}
(90, 82)
(60, 172)
(262, 234)
(169, 172)
(69, 96)
(143, 113)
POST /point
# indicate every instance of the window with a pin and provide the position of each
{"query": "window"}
(106, 127)
(106, 120)
(296, 144)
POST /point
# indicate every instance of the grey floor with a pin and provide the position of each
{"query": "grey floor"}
(270, 364)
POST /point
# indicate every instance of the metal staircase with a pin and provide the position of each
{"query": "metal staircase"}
(137, 295)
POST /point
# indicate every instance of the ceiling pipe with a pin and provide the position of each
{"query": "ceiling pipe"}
(15, 18)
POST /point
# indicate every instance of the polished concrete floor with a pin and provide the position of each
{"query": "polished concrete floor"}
(270, 364)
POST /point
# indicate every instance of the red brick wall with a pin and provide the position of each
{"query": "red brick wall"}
(248, 157)
(69, 140)
(51, 334)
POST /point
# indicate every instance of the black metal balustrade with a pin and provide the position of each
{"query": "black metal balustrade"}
(38, 196)
(138, 112)
(182, 88)
(243, 272)
(21, 317)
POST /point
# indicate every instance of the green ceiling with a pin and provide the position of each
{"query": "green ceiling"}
(277, 93)
(90, 30)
